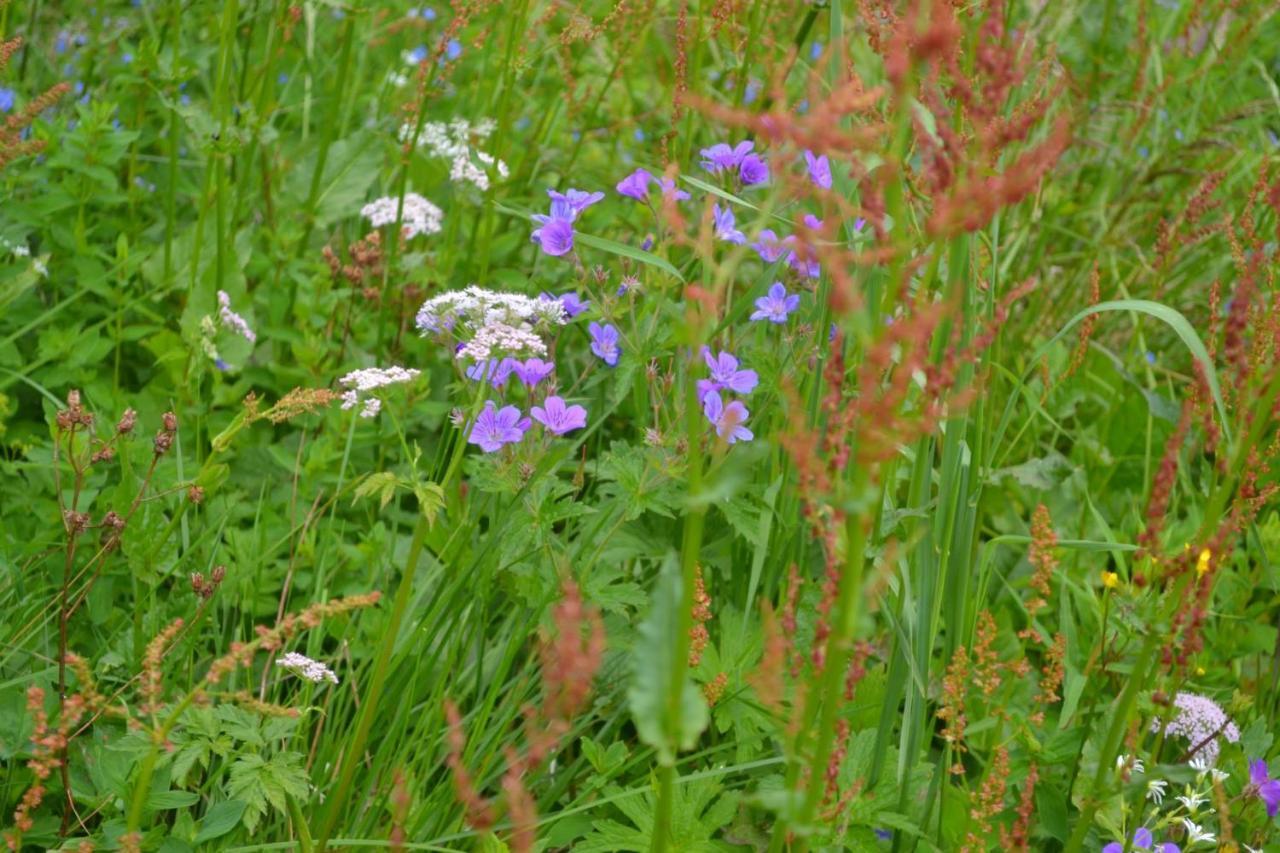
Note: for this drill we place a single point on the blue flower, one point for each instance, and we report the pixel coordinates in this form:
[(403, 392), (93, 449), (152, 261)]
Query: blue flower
[(495, 370), (532, 371), (604, 342), (496, 427), (753, 170), (769, 247), (635, 185), (819, 169), (453, 49), (572, 202), (725, 374), (7, 99), (777, 305), (555, 236), (729, 421), (724, 225), (722, 156)]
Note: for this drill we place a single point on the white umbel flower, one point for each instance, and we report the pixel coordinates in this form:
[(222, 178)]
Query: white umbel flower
[(420, 216), (305, 667), (465, 312), (501, 339), (360, 382)]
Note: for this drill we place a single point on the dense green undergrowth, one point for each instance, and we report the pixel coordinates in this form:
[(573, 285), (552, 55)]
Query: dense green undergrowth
[(900, 480)]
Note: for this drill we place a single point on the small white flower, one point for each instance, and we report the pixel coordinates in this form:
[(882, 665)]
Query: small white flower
[(1136, 766), (305, 667), (1196, 834), (1155, 790), (1193, 800), (21, 251), (1219, 775), (40, 268)]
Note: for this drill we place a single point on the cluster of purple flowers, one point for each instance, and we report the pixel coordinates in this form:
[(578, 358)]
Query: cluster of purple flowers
[(496, 371), (555, 231), (729, 419), (723, 158), (497, 427)]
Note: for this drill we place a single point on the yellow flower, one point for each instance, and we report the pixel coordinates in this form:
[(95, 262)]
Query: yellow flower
[(1110, 580), (1202, 564)]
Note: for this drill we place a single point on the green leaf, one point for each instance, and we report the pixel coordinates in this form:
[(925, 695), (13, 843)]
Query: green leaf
[(382, 483), (651, 674), (161, 800), (220, 819), (430, 500)]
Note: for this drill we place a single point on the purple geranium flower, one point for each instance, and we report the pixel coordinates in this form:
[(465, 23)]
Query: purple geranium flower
[(496, 370), (753, 170), (556, 234), (776, 305), (533, 370), (604, 342), (636, 185), (819, 169), (572, 201), (769, 247), (558, 418), (722, 156), (725, 374), (496, 427), (724, 225), (728, 420), (1268, 788)]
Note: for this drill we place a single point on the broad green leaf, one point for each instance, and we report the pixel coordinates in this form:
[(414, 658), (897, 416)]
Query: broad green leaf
[(220, 819), (651, 674)]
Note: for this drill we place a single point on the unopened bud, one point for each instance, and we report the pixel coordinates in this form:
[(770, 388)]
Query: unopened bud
[(127, 422)]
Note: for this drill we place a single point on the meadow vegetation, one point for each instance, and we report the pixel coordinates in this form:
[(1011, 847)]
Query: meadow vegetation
[(639, 426)]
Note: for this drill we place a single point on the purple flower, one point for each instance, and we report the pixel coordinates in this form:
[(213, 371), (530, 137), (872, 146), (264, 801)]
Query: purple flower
[(573, 306), (725, 374), (724, 225), (1142, 838), (728, 420), (7, 99), (777, 305), (532, 371), (769, 247), (1268, 788), (635, 185), (497, 371), (753, 170), (557, 418), (604, 342), (556, 234), (1169, 847), (721, 156), (496, 427), (572, 201), (669, 189), (1113, 847), (819, 169)]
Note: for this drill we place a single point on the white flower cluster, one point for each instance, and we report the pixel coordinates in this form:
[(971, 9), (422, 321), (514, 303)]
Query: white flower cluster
[(232, 320), (471, 309), (360, 382), (311, 670), (501, 339), (1200, 720), (452, 141), (420, 215)]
